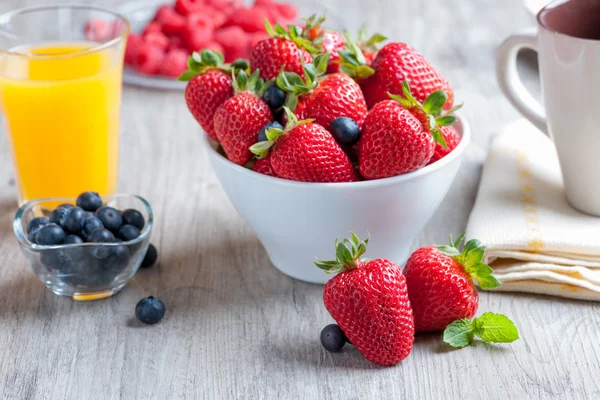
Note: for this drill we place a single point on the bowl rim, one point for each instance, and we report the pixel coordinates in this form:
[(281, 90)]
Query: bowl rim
[(465, 133), (21, 235)]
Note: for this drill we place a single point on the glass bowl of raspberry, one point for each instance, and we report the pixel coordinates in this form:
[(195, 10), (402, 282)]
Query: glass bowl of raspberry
[(84, 257)]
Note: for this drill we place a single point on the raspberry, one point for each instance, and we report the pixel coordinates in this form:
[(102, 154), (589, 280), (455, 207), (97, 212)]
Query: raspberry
[(175, 42), (134, 42), (174, 63), (157, 39), (98, 30), (187, 7), (249, 19), (162, 13), (225, 5), (234, 41), (287, 11), (198, 31), (214, 46), (148, 59), (172, 23), (152, 27), (254, 38)]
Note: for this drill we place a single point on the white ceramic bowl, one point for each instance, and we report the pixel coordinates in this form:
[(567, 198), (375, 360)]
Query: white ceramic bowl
[(297, 221)]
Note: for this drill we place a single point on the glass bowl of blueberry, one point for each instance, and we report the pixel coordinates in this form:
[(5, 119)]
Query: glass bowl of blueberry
[(88, 247)]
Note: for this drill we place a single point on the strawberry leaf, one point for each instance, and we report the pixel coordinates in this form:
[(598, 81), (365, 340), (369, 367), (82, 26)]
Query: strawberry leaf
[(497, 328), (261, 149), (438, 137), (434, 102), (364, 71), (445, 120), (348, 253), (375, 39), (488, 282), (186, 76), (449, 251), (460, 333), (269, 28)]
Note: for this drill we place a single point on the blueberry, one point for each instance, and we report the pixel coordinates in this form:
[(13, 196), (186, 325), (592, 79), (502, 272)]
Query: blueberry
[(150, 257), (89, 201), (72, 220), (73, 239), (128, 232), (89, 226), (111, 218), (333, 338), (133, 217), (117, 259), (101, 235), (150, 310), (66, 205), (56, 260), (89, 214), (345, 131), (34, 226), (57, 214), (274, 97), (50, 235), (262, 135)]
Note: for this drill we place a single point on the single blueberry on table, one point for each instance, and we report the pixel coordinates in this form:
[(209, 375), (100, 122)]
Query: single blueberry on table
[(50, 235), (73, 239), (57, 214), (274, 97), (89, 201), (345, 131), (101, 235), (128, 232), (111, 218), (133, 217), (333, 338), (150, 257), (89, 226), (34, 226), (72, 220), (262, 134), (150, 310)]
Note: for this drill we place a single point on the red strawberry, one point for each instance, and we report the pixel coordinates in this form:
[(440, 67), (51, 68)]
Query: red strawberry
[(329, 40), (324, 98), (240, 118), (399, 135), (369, 301), (306, 152), (396, 63), (263, 166), (452, 139), (209, 85), (282, 50), (440, 283)]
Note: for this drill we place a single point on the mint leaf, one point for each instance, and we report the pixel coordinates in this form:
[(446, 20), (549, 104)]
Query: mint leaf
[(460, 333), (497, 328)]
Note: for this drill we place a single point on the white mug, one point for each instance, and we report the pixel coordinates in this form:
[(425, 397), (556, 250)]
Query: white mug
[(568, 45)]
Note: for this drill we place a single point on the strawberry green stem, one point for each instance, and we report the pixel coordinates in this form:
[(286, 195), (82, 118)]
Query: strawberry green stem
[(348, 255)]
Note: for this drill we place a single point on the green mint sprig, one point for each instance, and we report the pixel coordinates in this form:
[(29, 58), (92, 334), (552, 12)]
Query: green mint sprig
[(490, 327)]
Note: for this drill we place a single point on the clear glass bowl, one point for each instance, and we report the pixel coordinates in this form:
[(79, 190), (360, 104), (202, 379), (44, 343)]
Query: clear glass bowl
[(86, 271)]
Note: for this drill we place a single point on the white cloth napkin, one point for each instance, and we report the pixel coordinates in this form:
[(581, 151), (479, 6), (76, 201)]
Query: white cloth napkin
[(535, 241)]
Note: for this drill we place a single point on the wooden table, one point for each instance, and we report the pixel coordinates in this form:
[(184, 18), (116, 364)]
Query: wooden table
[(235, 326)]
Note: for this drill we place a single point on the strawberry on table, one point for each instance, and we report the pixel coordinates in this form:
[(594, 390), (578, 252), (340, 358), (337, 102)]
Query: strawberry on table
[(440, 283), (398, 62), (305, 151), (399, 134), (282, 50), (240, 118), (209, 85), (369, 301), (323, 98)]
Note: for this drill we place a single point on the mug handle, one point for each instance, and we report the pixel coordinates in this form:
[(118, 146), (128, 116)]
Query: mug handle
[(510, 83)]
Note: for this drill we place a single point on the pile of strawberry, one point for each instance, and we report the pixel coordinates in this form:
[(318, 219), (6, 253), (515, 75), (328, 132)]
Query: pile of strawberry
[(177, 30), (378, 307), (324, 107)]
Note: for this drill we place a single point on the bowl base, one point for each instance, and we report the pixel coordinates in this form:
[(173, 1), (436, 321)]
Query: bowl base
[(88, 296)]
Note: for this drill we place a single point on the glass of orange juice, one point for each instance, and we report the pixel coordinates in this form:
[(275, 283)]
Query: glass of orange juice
[(60, 96)]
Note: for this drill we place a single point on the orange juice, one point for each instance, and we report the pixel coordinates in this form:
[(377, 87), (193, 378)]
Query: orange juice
[(61, 107)]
